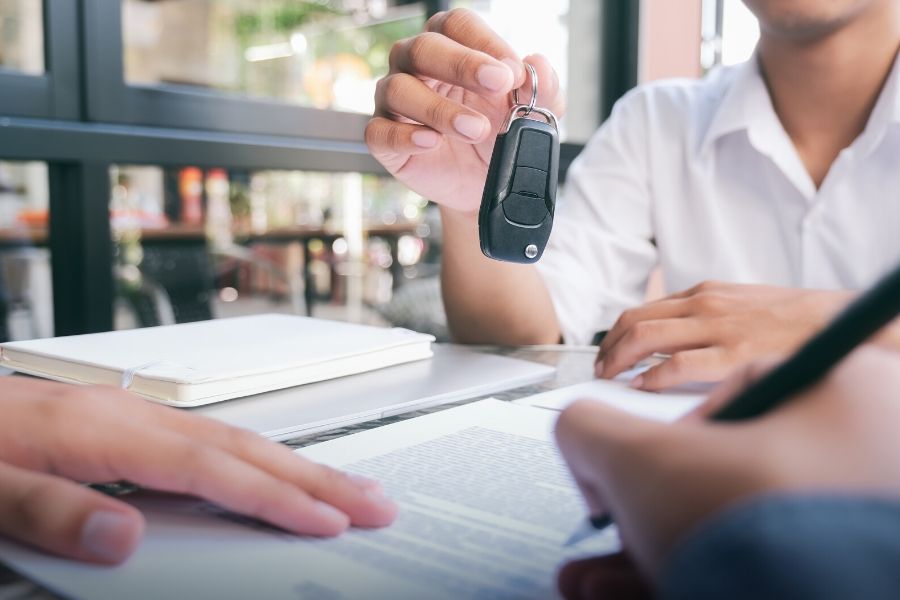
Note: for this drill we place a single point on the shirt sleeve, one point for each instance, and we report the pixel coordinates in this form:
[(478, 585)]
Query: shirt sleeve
[(601, 253), (789, 547)]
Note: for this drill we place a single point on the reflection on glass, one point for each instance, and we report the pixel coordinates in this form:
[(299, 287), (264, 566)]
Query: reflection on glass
[(564, 32), (194, 244), (740, 32), (543, 28), (730, 33), (319, 53), (22, 36), (26, 298)]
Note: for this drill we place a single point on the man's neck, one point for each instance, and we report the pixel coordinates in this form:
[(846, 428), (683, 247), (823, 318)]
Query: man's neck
[(824, 90)]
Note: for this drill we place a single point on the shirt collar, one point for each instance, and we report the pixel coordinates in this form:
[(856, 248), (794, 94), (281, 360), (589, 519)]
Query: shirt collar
[(885, 113), (746, 106), (743, 102)]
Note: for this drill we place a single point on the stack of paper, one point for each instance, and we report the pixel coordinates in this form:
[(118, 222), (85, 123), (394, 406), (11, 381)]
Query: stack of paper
[(668, 406), (486, 506), (199, 363)]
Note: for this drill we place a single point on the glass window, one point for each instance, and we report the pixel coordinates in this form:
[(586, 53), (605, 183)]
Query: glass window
[(26, 293), (730, 32), (566, 32), (22, 36), (740, 32), (318, 53), (194, 244)]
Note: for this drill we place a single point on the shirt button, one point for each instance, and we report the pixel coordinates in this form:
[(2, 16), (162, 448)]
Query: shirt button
[(813, 217)]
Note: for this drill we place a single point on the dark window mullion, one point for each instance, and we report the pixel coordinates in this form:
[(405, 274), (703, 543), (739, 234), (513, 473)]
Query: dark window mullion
[(80, 245), (62, 51), (619, 50), (433, 7)]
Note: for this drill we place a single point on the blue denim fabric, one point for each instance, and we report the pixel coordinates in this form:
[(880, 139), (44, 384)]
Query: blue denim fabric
[(791, 547)]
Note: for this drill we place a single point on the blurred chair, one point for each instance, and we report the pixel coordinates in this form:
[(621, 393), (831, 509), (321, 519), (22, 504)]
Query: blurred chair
[(418, 305), (18, 314), (183, 269), (176, 281), (147, 301), (227, 257), (4, 309)]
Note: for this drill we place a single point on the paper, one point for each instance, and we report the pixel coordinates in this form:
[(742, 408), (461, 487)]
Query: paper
[(486, 506), (661, 406)]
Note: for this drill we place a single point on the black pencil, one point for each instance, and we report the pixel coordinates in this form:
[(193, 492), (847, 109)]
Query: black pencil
[(857, 323)]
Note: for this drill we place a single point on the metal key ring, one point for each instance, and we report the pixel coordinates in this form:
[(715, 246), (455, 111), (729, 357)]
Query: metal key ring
[(534, 91)]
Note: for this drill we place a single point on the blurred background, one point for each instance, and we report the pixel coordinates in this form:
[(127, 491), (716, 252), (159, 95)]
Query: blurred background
[(176, 160)]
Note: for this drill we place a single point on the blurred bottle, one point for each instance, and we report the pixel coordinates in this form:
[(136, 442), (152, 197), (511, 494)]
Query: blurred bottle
[(218, 208), (190, 188)]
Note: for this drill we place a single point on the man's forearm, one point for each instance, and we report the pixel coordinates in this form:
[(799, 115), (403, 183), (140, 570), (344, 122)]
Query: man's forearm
[(487, 301)]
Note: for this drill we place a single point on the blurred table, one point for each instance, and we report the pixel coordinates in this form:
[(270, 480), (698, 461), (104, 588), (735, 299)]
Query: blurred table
[(37, 235), (306, 234), (195, 236), (16, 237), (573, 365)]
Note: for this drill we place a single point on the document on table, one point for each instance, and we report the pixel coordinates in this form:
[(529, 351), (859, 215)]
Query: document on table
[(664, 407), (486, 505)]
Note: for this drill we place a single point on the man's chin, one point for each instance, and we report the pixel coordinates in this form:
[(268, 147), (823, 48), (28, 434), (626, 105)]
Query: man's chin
[(805, 20)]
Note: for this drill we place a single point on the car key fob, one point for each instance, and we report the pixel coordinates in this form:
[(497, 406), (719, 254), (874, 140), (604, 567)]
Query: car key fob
[(519, 197)]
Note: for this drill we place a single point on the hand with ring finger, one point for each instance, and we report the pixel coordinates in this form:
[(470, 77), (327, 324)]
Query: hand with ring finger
[(439, 108)]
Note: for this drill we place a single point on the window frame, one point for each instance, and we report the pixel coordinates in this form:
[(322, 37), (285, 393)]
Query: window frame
[(111, 99), (55, 93), (81, 117)]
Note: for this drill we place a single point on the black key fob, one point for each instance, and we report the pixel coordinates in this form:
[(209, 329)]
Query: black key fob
[(519, 197)]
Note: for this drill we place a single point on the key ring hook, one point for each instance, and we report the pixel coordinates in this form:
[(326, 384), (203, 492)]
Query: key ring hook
[(515, 110), (534, 91)]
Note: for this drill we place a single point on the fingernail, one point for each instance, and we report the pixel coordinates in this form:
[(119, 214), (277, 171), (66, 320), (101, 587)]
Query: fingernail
[(330, 513), (638, 382), (377, 497), (515, 66), (109, 536), (426, 139), (469, 126), (496, 79), (364, 482), (598, 368)]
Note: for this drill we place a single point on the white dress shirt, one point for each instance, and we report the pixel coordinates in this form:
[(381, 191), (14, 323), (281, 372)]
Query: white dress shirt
[(701, 179)]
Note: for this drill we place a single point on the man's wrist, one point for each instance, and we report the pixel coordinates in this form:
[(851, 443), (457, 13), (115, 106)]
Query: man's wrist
[(454, 216), (460, 228)]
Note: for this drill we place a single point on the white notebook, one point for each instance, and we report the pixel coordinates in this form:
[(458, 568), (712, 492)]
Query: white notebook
[(192, 364)]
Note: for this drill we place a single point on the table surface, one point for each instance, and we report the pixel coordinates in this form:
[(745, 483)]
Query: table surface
[(573, 365)]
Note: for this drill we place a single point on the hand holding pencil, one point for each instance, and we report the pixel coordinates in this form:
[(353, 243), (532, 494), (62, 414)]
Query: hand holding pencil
[(660, 481)]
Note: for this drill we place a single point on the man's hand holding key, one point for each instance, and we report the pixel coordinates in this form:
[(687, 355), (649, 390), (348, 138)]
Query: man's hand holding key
[(441, 106), (437, 116)]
